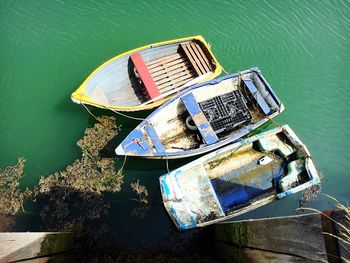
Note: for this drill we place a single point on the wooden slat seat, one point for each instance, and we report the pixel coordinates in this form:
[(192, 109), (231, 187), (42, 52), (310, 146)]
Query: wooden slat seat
[(145, 75), (165, 74), (171, 72), (197, 57)]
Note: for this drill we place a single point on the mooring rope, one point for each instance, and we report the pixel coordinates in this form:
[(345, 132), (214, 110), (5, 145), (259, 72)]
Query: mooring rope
[(224, 70), (89, 111), (127, 116)]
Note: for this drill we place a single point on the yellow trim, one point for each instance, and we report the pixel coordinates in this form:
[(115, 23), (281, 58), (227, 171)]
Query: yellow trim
[(80, 95)]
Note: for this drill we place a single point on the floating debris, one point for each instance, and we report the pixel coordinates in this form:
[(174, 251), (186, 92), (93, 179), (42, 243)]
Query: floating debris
[(311, 193)]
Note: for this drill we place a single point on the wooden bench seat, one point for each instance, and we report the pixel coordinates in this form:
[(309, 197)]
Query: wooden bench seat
[(145, 75), (197, 57), (164, 74)]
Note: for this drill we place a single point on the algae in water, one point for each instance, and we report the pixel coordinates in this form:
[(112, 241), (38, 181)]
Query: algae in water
[(72, 200)]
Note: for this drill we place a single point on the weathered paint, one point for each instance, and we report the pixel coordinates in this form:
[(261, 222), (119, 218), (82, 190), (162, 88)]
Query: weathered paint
[(154, 138), (136, 144), (185, 205), (237, 134), (179, 180), (260, 100), (199, 119)]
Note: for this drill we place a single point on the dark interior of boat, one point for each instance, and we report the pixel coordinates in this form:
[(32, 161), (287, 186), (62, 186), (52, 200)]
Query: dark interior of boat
[(163, 76)]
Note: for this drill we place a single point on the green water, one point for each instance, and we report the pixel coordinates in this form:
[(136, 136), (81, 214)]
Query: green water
[(47, 48)]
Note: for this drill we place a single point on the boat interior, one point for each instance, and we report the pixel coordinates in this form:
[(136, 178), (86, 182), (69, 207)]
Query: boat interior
[(264, 167), (212, 113), (150, 74)]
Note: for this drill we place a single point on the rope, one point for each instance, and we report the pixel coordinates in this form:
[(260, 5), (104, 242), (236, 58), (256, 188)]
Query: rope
[(89, 111), (167, 162), (122, 168), (224, 70), (127, 116), (115, 111)]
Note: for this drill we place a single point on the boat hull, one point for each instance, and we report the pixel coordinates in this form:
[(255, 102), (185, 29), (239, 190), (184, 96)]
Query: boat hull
[(229, 182), (164, 133), (113, 85)]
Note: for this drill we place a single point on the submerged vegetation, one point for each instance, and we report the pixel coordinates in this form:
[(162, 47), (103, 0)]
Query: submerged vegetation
[(311, 193), (141, 191), (72, 200), (143, 197), (11, 197), (69, 200)]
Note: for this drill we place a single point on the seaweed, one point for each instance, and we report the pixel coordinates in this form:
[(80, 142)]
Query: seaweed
[(73, 200), (311, 193), (141, 191), (143, 197), (11, 196)]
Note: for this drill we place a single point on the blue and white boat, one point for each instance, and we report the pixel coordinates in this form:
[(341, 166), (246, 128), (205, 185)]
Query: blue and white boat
[(238, 178), (204, 117)]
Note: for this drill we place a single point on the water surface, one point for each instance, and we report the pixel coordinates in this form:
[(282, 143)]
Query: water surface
[(47, 48)]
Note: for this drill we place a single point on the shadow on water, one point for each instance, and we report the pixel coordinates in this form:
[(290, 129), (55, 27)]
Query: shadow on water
[(96, 202), (92, 218)]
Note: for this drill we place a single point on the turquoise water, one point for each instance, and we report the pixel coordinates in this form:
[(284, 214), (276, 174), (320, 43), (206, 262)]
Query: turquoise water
[(47, 48)]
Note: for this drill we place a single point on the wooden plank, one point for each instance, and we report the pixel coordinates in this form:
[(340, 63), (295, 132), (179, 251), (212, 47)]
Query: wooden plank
[(199, 119), (175, 86), (198, 59), (196, 48), (166, 68), (204, 56), (161, 63), (173, 72), (182, 82), (157, 143), (174, 63), (145, 75), (163, 59), (175, 82), (189, 56), (331, 242), (194, 58), (176, 78), (300, 236), (23, 246), (257, 96)]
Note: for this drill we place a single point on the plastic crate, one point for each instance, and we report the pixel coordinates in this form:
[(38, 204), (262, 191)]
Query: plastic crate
[(226, 112)]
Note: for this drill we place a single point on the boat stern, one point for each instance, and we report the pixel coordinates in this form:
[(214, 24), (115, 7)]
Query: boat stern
[(174, 203), (189, 198), (309, 165)]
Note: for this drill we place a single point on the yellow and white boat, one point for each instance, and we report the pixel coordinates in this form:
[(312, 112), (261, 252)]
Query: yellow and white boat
[(145, 77)]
